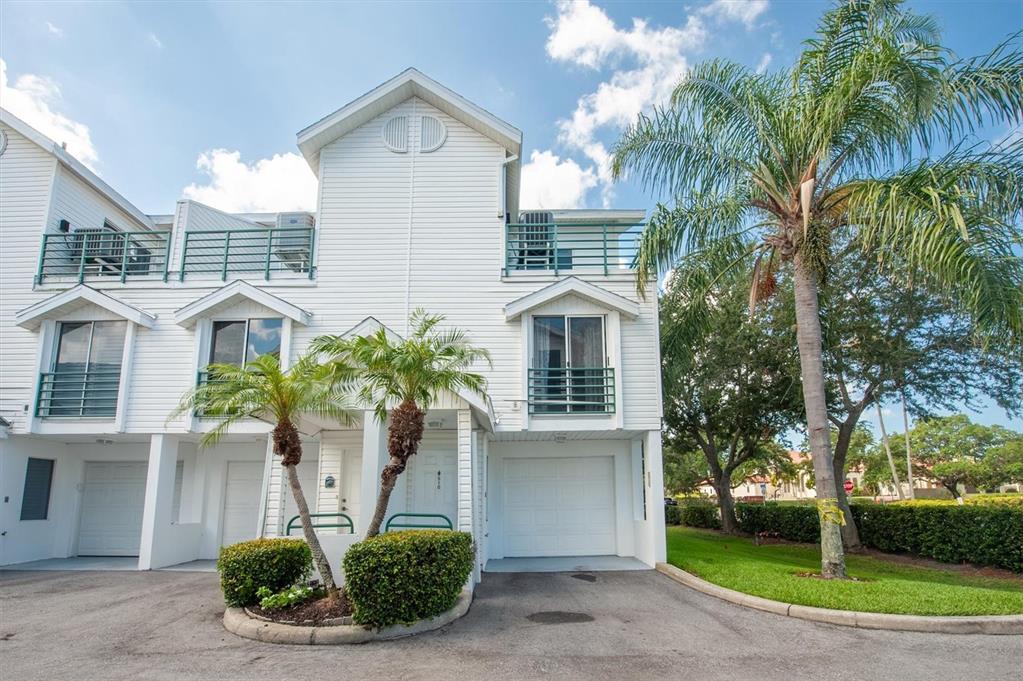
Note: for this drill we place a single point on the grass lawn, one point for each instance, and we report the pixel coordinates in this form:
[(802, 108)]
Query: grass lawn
[(771, 571)]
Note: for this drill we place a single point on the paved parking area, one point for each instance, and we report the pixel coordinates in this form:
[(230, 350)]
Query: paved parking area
[(603, 625)]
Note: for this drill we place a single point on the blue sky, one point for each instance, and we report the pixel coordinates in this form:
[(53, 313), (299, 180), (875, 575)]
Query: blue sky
[(166, 100)]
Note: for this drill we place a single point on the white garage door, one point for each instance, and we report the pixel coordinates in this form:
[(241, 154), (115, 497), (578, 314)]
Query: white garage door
[(241, 501), (112, 501), (559, 507)]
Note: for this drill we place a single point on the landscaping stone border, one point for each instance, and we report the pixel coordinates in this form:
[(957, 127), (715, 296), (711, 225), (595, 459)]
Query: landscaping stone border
[(986, 624), (240, 623)]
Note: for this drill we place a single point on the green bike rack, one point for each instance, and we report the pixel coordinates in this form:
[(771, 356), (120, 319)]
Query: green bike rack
[(346, 521), (390, 522)]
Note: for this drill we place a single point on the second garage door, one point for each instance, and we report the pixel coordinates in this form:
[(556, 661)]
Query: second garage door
[(559, 506), (241, 501), (112, 500)]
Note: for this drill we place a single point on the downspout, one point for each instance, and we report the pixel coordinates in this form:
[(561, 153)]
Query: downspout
[(411, 208)]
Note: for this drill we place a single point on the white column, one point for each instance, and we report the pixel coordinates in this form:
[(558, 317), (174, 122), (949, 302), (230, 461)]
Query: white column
[(156, 511), (655, 496), (374, 456), (464, 523)]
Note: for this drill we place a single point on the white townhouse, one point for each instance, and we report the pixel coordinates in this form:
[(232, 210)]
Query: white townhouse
[(109, 315)]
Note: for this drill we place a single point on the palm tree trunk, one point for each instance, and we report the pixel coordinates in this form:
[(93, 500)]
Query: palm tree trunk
[(909, 451), (322, 564), (808, 337), (403, 437), (888, 450)]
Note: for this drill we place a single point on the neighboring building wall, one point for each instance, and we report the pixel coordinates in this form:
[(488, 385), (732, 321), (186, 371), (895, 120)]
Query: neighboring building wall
[(27, 173)]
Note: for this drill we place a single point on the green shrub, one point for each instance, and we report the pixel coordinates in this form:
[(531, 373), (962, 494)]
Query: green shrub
[(795, 522), (700, 515), (403, 577), (272, 563), (976, 500), (981, 534), (672, 515), (293, 595)]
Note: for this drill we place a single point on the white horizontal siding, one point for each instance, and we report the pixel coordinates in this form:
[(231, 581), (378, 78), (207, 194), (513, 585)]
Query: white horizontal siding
[(361, 271)]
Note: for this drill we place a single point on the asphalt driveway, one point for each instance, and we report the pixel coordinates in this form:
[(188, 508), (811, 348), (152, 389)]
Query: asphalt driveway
[(608, 625)]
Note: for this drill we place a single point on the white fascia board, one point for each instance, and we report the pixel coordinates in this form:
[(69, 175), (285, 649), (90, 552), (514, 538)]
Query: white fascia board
[(408, 83), (631, 217), (72, 299), (76, 166), (572, 286), (369, 326), (234, 293)]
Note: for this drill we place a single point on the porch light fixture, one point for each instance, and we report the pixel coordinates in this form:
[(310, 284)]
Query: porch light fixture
[(329, 482)]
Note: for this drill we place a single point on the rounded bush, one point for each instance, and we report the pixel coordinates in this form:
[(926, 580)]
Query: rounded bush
[(700, 515), (272, 563), (403, 577)]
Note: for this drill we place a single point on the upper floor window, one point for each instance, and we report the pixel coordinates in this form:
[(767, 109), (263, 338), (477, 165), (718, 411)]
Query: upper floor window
[(569, 371), (238, 342), (85, 375)]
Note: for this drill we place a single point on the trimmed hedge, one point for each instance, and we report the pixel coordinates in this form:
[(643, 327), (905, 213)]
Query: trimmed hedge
[(795, 522), (672, 515), (701, 515), (403, 577), (980, 534), (274, 563)]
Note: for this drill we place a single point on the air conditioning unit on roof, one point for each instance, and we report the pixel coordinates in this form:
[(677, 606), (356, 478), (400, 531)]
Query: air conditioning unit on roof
[(293, 245)]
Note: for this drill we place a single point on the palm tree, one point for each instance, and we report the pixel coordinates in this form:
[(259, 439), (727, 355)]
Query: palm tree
[(409, 373), (261, 389), (764, 168)]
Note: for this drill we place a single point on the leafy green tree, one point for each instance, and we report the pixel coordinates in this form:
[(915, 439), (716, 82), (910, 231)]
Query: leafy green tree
[(769, 166), (728, 388), (884, 337), (404, 376), (685, 471), (262, 389)]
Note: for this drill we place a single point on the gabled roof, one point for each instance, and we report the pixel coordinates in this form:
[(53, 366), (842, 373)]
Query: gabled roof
[(72, 299), (483, 407), (232, 294), (75, 166), (572, 286), (408, 83)]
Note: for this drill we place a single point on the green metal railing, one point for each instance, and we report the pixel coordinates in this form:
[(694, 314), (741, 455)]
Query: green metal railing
[(559, 247), (98, 254), (584, 390), (420, 526), (78, 393), (266, 251), (346, 521)]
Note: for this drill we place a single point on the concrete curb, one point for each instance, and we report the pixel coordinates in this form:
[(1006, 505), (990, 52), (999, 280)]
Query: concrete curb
[(987, 624), (238, 622)]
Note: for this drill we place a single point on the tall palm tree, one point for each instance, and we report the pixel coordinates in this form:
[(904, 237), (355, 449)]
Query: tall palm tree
[(865, 132), (409, 373), (261, 389)]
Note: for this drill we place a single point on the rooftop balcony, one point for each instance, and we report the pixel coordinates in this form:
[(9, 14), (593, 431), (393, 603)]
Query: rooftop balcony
[(100, 254), (600, 248)]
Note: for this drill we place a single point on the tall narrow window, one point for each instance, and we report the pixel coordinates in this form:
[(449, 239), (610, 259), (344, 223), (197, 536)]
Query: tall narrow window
[(568, 372), (86, 372), (35, 499)]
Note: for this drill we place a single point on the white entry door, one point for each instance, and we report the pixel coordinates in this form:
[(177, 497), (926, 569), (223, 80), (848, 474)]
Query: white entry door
[(241, 501), (112, 500), (559, 506), (436, 485), (351, 487)]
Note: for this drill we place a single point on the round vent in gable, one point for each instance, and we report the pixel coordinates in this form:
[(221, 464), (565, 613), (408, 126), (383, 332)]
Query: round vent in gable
[(395, 134), (433, 133)]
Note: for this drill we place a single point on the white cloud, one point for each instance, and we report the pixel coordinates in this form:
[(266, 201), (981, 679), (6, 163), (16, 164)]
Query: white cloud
[(281, 183), (54, 30), (745, 11), (765, 62), (157, 43), (32, 98), (550, 182)]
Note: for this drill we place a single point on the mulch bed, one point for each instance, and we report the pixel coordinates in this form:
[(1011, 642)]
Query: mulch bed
[(311, 612)]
